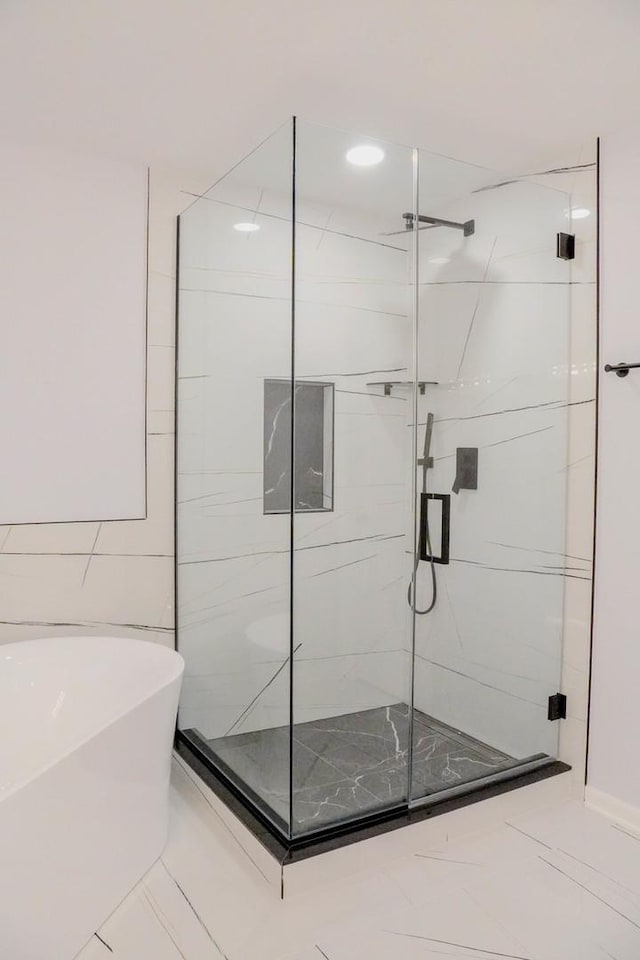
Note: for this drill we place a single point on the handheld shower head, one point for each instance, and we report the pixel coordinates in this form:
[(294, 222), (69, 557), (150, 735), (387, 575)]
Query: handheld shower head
[(426, 461)]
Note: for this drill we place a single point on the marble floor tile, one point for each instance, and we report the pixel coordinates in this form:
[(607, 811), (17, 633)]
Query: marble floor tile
[(449, 924), (559, 884)]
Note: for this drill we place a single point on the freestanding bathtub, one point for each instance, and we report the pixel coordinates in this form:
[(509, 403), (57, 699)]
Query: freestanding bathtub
[(86, 727)]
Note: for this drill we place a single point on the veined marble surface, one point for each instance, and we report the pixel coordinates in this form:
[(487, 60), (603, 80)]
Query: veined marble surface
[(355, 763), (559, 884)]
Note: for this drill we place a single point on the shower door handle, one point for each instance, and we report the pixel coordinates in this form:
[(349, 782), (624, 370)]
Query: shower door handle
[(425, 538)]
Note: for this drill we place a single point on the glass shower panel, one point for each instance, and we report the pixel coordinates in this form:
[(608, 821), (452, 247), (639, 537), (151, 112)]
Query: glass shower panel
[(352, 561), (233, 529), (493, 348)]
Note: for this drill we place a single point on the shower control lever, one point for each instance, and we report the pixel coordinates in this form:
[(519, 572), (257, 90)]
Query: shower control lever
[(620, 369)]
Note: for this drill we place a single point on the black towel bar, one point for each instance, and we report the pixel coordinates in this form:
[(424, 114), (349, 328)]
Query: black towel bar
[(620, 369)]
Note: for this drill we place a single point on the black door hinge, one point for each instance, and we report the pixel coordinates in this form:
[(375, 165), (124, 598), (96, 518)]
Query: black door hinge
[(557, 707), (566, 246)]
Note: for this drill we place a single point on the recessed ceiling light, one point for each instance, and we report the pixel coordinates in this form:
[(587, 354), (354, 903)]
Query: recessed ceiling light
[(365, 155), (246, 227), (579, 213), (439, 259)]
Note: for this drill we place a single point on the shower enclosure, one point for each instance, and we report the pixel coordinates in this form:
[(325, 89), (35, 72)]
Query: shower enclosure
[(372, 394)]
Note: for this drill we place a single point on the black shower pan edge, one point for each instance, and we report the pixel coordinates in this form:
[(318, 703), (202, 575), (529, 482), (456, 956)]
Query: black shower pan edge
[(286, 850)]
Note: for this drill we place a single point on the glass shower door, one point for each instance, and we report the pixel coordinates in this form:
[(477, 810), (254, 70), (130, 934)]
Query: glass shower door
[(493, 348), (353, 549)]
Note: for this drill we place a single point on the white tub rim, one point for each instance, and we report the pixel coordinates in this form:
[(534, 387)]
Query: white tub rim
[(175, 669)]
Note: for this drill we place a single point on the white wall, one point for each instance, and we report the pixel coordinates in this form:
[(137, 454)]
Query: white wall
[(614, 771), (112, 577), (73, 330)]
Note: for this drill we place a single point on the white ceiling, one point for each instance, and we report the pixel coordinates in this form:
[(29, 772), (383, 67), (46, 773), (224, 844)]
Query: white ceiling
[(195, 84)]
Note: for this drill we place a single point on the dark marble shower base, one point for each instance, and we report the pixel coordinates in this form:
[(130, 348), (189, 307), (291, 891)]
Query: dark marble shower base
[(350, 766), (287, 850)]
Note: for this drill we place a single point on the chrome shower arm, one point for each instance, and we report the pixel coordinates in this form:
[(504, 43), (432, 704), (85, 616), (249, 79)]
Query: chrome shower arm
[(468, 227)]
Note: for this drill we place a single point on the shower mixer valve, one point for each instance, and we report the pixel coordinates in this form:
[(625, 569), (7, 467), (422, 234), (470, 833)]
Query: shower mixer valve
[(466, 469)]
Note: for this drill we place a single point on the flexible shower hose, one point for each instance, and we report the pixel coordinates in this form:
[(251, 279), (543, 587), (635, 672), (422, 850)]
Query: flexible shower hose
[(434, 580)]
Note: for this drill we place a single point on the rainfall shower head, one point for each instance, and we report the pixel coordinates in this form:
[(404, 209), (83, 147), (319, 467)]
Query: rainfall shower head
[(430, 223)]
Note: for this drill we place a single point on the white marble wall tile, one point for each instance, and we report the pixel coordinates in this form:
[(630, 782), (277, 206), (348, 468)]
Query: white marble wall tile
[(39, 588), (230, 703), (51, 538), (136, 587), (162, 305), (351, 319), (160, 371), (469, 702), (498, 634), (113, 577), (153, 536)]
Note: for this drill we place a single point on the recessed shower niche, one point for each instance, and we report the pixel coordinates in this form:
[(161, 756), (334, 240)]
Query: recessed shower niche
[(372, 434)]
